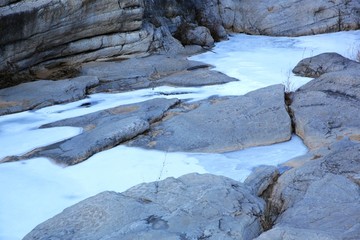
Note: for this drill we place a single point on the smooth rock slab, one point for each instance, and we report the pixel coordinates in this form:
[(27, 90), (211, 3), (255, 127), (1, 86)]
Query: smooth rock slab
[(320, 199), (327, 108), (191, 207), (222, 124), (42, 93), (102, 130), (324, 63)]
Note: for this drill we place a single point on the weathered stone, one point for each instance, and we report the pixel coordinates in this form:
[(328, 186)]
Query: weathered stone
[(39, 94), (324, 63), (191, 207), (102, 130), (326, 109), (319, 199), (191, 34), (223, 124), (261, 178), (293, 18)]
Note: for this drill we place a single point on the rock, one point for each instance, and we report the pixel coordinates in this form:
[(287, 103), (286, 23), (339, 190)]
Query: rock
[(191, 207), (190, 34), (222, 124), (39, 94), (102, 130), (261, 179), (324, 63), (293, 18), (51, 34), (325, 109), (150, 72), (319, 199)]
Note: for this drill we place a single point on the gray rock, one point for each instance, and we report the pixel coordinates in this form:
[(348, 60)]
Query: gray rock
[(324, 63), (102, 130), (198, 35), (39, 94), (55, 33), (223, 124), (319, 199), (292, 18), (326, 109), (261, 179), (191, 207)]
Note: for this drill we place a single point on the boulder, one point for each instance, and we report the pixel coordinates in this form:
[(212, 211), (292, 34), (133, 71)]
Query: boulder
[(222, 124), (101, 130), (42, 93), (191, 207), (324, 63), (325, 110), (320, 199), (292, 18)]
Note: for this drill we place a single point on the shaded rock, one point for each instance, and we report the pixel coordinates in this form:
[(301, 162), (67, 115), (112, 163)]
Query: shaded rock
[(222, 124), (261, 178), (102, 130), (324, 63), (293, 18), (198, 35), (191, 207), (326, 109), (39, 94), (319, 199)]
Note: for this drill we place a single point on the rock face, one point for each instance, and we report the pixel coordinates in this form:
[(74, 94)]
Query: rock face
[(102, 130), (324, 63), (39, 94), (191, 207), (294, 18), (327, 108), (321, 199), (257, 118)]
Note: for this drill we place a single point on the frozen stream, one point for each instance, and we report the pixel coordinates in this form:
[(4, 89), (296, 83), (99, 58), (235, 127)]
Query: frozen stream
[(35, 190)]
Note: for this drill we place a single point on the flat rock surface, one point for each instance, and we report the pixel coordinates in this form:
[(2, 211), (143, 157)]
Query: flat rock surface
[(327, 108), (321, 199), (324, 63), (152, 71), (42, 93), (222, 124), (102, 130), (191, 207)]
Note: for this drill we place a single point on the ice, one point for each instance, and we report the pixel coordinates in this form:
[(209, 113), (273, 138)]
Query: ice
[(35, 190)]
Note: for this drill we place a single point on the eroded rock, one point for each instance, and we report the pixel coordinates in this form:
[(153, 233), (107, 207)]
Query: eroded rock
[(327, 108), (319, 199), (223, 124), (42, 93), (191, 207)]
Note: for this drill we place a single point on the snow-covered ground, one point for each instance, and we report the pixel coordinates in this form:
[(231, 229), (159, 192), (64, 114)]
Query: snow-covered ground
[(35, 190)]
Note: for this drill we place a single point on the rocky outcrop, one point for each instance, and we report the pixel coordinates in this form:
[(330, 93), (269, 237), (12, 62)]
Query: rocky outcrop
[(326, 109), (324, 63), (319, 200), (42, 93), (294, 18), (101, 130), (257, 118), (191, 207)]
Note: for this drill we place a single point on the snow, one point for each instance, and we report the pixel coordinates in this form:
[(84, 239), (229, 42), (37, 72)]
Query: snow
[(35, 190)]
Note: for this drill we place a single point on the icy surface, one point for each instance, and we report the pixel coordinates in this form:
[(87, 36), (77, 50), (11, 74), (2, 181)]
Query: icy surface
[(35, 190)]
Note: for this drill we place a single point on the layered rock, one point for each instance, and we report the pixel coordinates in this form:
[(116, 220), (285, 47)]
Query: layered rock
[(294, 18), (222, 124), (191, 207)]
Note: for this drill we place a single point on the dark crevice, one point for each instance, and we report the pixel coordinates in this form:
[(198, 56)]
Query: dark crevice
[(288, 102)]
